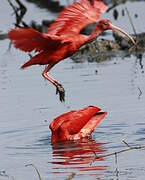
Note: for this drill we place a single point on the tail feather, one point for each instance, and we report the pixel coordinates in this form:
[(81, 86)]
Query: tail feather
[(28, 63), (41, 59)]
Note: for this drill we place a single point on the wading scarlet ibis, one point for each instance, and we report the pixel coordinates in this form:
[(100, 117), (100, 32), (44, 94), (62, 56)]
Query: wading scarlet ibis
[(76, 124), (64, 36)]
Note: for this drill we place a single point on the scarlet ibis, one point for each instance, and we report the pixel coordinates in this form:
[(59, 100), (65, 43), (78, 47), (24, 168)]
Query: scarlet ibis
[(76, 124), (64, 36)]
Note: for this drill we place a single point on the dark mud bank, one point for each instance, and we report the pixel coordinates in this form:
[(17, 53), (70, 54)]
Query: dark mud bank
[(103, 49)]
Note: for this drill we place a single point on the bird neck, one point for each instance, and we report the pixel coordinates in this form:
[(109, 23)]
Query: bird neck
[(96, 32)]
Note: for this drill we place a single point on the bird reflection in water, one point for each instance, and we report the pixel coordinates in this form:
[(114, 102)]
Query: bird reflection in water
[(81, 155)]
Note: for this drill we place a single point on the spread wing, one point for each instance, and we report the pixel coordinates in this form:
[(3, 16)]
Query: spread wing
[(28, 39), (75, 17), (99, 4)]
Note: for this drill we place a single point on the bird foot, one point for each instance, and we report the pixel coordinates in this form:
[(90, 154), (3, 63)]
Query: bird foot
[(60, 90)]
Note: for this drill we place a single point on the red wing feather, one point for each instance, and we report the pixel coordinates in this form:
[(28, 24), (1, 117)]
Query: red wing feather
[(99, 4), (80, 118), (28, 39), (92, 124), (75, 17), (74, 121), (40, 58), (57, 122)]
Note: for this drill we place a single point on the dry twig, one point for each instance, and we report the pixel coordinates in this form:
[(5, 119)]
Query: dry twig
[(71, 176), (19, 11), (131, 22), (35, 169), (137, 147)]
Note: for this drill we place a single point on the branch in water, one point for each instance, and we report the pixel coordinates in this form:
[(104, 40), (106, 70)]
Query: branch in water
[(35, 169), (19, 11), (121, 151)]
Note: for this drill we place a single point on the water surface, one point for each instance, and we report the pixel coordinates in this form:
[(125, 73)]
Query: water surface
[(28, 104)]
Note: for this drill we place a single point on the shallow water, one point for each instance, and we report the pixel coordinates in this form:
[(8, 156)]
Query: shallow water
[(28, 104)]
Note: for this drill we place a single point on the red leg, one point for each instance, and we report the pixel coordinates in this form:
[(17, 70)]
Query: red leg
[(59, 87)]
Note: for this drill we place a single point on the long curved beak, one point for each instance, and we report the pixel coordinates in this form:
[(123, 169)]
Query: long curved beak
[(119, 30)]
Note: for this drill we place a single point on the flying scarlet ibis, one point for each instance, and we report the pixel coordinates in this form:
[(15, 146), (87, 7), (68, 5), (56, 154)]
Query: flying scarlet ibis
[(76, 124), (64, 36)]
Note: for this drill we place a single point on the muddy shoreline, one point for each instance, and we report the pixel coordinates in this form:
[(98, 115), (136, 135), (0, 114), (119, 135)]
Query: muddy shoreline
[(103, 49)]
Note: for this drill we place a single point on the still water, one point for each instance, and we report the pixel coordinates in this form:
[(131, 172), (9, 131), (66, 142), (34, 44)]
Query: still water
[(28, 104)]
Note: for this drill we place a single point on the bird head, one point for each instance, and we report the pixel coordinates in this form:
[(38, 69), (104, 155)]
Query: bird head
[(105, 24)]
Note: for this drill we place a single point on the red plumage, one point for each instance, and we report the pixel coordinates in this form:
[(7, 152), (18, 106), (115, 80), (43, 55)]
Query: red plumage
[(28, 39), (63, 37), (70, 21), (76, 124), (75, 17), (99, 4)]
